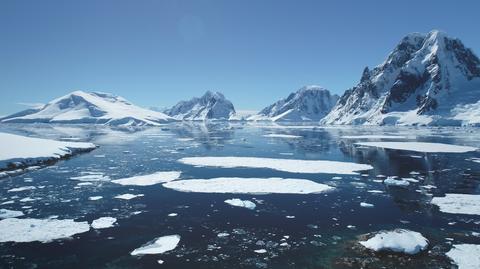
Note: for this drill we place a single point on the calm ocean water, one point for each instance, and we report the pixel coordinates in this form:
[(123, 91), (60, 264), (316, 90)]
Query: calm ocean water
[(321, 230)]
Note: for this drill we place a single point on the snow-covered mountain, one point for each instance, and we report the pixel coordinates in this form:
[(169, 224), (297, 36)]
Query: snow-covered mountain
[(211, 106), (428, 79), (93, 107), (310, 103)]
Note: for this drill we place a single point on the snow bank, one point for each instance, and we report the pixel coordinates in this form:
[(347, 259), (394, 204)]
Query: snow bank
[(456, 203), (30, 151), (158, 246), (286, 165), (5, 214), (103, 222), (43, 230), (151, 179), (399, 240), (241, 203), (465, 256), (420, 147), (248, 185)]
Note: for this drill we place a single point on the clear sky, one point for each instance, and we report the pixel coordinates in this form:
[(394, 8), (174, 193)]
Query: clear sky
[(155, 53)]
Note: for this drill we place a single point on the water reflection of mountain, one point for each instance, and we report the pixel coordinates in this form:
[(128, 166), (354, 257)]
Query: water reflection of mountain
[(208, 134), (438, 173)]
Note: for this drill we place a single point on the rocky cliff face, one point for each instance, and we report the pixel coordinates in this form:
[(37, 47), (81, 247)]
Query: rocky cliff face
[(425, 80), (211, 106), (310, 103)]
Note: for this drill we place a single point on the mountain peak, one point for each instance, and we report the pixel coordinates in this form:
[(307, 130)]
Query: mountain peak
[(212, 105), (309, 103), (90, 107), (425, 75)]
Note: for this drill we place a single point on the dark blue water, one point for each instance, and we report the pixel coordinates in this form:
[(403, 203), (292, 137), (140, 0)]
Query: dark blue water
[(318, 235)]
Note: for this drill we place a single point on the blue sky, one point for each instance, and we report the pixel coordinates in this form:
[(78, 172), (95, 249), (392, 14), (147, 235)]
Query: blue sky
[(155, 53)]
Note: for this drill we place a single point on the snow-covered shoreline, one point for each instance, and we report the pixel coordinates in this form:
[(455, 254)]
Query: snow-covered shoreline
[(17, 152)]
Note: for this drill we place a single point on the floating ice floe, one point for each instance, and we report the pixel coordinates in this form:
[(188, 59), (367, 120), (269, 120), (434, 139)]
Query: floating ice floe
[(172, 215), (32, 151), (399, 240), (91, 176), (456, 203), (282, 136), (95, 198), (43, 230), (363, 204), (103, 223), (158, 245), (5, 213), (260, 251), (285, 165), (241, 203), (465, 256), (128, 196), (396, 182), (374, 137), (420, 147), (25, 188), (248, 185), (148, 180)]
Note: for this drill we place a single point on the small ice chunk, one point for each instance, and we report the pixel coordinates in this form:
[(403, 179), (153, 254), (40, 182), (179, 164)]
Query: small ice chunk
[(158, 245), (172, 215), (223, 234), (103, 222), (282, 136), (363, 204), (148, 180), (396, 182), (25, 188), (399, 240), (260, 251), (5, 213), (128, 196), (95, 198), (241, 203)]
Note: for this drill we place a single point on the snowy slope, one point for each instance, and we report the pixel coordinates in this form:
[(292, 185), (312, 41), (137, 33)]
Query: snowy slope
[(212, 105), (428, 79), (94, 107), (16, 150), (310, 103)]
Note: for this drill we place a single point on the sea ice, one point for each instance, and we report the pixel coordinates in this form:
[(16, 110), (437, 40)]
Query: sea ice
[(128, 196), (363, 204), (396, 182), (399, 240), (103, 222), (286, 165), (420, 147), (241, 203), (158, 246), (43, 230), (31, 151), (465, 256), (5, 214), (282, 136), (25, 188), (248, 185), (374, 137), (151, 179), (456, 203)]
